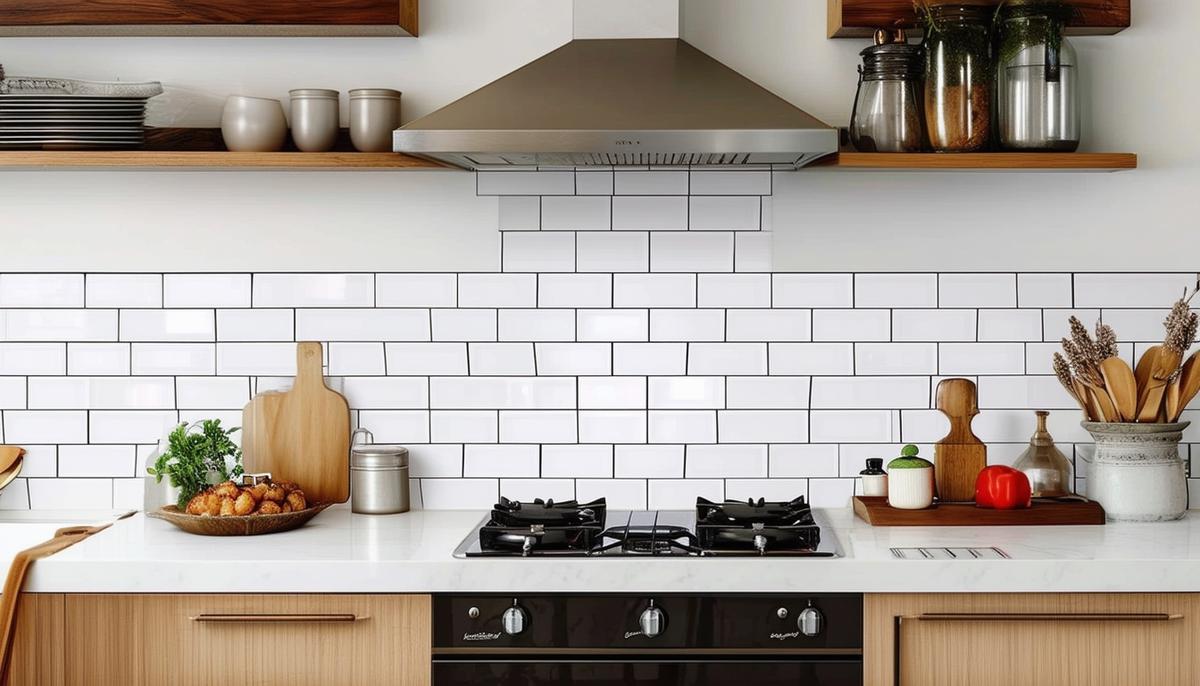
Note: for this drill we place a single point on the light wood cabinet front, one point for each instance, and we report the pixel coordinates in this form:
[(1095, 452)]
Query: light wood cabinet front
[(1032, 639), (37, 651), (248, 639)]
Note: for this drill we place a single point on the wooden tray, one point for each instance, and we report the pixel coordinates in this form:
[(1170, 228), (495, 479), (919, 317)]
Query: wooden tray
[(877, 512), (249, 525)]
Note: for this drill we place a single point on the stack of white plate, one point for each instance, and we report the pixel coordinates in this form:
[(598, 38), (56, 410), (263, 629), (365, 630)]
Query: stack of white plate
[(68, 114)]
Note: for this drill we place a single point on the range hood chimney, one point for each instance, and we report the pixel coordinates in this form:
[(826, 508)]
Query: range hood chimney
[(620, 101)]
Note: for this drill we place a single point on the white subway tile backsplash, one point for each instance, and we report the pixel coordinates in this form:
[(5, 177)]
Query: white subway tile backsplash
[(612, 393), (691, 252), (725, 213), (687, 392), (497, 290), (356, 358), (771, 489), (511, 182), (426, 359), (654, 290), (256, 325), (96, 461), (70, 494), (752, 251), (1010, 392), (1010, 325), (399, 392), (854, 426), (41, 290), (830, 492), (651, 183), (168, 325), (883, 392), (578, 461), (15, 496), (648, 461), (612, 426), (132, 426), (414, 426), (681, 494), (12, 393), (895, 358), (687, 325), (435, 460), (32, 358), (650, 213), (647, 359), (535, 251), (464, 325), (577, 213), (58, 325), (598, 182), (98, 359), (314, 290), (617, 251), (977, 290), (959, 359), (721, 461), (416, 290), (767, 392), (934, 325), (528, 489), (249, 359), (1056, 325), (731, 183), (803, 461), (573, 359), (683, 426), (727, 358), (895, 290), (734, 290), (501, 461), (459, 494), (538, 426), (575, 290), (626, 494), (851, 325), (613, 325), (811, 359), (506, 393), (1137, 325), (1130, 290), (124, 290), (330, 324), (813, 290), (502, 359), (536, 325), (1044, 290), (520, 213), (41, 461), (181, 359), (762, 426), (199, 393), (206, 290), (108, 392)]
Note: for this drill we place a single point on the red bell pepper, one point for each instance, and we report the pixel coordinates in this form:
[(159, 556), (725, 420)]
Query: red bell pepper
[(1003, 488)]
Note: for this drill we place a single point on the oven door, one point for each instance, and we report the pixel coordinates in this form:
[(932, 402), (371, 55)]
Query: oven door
[(648, 670)]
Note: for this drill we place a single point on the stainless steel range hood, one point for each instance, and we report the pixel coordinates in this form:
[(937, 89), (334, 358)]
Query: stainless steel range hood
[(620, 102)]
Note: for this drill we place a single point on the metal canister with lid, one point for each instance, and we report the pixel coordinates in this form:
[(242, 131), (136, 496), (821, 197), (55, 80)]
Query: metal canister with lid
[(378, 476), (887, 114)]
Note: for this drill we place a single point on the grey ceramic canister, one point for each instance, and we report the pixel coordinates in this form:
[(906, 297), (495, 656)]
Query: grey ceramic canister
[(1137, 473), (315, 119), (253, 124), (374, 115)]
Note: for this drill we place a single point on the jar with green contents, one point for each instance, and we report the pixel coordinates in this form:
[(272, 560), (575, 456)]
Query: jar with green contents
[(958, 76)]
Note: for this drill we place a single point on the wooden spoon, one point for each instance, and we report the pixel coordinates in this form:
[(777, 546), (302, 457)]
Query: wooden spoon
[(9, 454), (7, 475), (1150, 402), (1145, 367), (1188, 385), (1121, 386), (1103, 403), (1081, 395)]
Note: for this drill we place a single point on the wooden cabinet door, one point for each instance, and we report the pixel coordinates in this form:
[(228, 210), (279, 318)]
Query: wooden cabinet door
[(1032, 639), (248, 639), (37, 650)]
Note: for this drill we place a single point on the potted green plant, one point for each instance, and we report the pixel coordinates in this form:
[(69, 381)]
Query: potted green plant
[(197, 456)]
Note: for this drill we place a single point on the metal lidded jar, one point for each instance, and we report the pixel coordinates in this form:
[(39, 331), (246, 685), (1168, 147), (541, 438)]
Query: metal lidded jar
[(958, 76), (378, 476), (1037, 78), (888, 114)]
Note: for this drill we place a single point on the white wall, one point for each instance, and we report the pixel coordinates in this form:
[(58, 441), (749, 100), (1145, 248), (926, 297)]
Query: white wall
[(1139, 96)]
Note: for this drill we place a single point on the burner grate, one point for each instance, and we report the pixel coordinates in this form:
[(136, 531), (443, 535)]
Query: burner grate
[(760, 526)]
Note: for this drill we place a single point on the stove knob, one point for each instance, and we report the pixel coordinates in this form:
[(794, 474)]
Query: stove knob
[(810, 622), (514, 620), (652, 621)]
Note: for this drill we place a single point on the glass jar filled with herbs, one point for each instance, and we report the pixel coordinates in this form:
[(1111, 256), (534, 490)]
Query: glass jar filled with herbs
[(1037, 103), (958, 76)]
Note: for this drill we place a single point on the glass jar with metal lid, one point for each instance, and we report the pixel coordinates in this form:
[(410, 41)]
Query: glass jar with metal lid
[(958, 76), (887, 115), (1037, 78), (378, 476)]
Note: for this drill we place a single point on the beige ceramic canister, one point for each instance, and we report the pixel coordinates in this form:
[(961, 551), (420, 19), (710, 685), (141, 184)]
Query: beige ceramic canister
[(314, 119), (374, 115)]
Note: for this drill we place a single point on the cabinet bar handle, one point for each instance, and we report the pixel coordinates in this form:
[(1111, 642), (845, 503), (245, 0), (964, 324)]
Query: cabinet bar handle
[(1044, 617), (261, 618)]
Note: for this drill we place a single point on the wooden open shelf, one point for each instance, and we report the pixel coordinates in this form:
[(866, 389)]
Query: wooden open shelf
[(201, 149), (860, 18), (981, 161)]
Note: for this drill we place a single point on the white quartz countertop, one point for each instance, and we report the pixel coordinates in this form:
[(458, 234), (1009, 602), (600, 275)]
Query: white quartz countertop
[(339, 552)]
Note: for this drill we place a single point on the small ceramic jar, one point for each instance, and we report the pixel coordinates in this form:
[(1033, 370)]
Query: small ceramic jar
[(874, 479), (314, 119), (910, 481), (253, 124), (374, 115)]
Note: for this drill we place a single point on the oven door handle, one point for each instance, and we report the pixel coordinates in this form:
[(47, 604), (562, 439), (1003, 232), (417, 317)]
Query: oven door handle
[(277, 618)]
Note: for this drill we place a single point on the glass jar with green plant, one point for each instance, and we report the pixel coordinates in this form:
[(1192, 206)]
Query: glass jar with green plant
[(194, 455), (958, 74)]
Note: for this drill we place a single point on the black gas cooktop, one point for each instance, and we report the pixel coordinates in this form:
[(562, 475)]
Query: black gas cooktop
[(545, 528)]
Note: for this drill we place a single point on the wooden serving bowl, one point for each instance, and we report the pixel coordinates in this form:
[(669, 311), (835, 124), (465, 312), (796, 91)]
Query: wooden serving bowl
[(247, 525)]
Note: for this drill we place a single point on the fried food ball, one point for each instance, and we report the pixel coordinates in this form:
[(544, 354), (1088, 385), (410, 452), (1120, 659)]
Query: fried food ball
[(297, 500), (197, 506), (259, 490), (287, 486), (244, 504), (226, 506), (275, 493), (212, 505), (226, 490), (285, 508), (269, 507)]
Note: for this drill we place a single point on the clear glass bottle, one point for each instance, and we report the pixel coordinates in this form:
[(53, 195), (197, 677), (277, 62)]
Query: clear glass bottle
[(958, 77), (1048, 469), (887, 115), (1037, 77)]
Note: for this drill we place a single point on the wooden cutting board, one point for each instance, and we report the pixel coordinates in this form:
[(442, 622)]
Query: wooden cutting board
[(960, 456), (301, 435)]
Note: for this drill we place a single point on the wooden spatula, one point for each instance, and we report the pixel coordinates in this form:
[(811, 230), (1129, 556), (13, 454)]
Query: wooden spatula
[(1186, 387), (1150, 401), (1122, 387), (960, 456)]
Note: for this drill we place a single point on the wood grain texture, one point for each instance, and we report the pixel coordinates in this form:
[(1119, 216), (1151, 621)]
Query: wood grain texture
[(145, 640), (1124, 644), (209, 12), (301, 435), (960, 456), (980, 161), (37, 656), (877, 512), (859, 18)]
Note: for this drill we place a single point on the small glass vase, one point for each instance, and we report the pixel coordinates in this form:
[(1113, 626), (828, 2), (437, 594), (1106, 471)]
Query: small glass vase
[(1136, 473)]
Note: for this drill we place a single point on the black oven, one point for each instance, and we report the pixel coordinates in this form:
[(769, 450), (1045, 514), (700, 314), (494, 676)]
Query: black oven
[(698, 640)]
